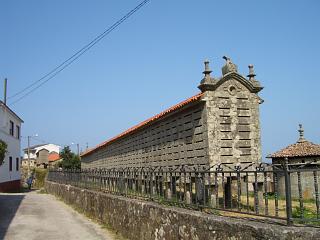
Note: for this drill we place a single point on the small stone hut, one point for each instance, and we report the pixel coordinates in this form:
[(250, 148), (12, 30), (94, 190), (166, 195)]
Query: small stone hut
[(302, 154)]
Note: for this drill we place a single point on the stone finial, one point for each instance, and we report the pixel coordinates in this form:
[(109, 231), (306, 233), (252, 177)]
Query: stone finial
[(207, 83), (207, 70), (301, 133), (229, 66), (251, 74)]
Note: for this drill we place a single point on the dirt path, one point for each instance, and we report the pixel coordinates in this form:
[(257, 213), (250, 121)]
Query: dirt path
[(36, 216)]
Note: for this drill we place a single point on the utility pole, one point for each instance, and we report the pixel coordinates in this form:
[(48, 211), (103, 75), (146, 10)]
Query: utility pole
[(29, 170), (78, 149), (28, 155), (5, 92)]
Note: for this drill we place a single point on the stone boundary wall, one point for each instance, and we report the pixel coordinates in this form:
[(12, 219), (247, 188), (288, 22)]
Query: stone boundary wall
[(141, 220)]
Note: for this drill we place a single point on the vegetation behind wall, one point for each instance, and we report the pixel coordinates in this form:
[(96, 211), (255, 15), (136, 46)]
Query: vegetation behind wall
[(3, 150), (39, 174), (39, 177)]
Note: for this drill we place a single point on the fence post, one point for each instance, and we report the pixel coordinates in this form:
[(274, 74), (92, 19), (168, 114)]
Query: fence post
[(288, 192)]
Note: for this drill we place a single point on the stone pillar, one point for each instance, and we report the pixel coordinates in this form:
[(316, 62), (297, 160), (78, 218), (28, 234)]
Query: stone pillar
[(188, 198), (244, 186), (160, 188), (213, 201), (173, 184), (153, 190), (133, 186), (168, 194), (261, 196), (142, 189), (199, 189)]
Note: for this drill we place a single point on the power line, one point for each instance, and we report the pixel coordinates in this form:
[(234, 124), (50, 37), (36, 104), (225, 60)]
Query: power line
[(75, 56), (43, 141)]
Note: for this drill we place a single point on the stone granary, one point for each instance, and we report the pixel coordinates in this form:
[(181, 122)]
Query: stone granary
[(302, 154), (218, 125)]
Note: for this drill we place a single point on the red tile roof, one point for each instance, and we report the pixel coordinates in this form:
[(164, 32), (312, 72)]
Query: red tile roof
[(299, 149), (144, 123), (53, 157)]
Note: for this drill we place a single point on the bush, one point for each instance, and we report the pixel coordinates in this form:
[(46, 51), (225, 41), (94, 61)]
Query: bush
[(69, 159), (39, 177), (3, 150)]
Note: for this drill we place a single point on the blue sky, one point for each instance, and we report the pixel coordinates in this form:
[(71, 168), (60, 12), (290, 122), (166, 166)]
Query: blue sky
[(155, 60)]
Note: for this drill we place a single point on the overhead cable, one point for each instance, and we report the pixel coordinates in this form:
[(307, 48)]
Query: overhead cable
[(38, 83)]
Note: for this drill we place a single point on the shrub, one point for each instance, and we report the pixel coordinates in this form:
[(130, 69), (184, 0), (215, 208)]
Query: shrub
[(3, 150), (40, 176)]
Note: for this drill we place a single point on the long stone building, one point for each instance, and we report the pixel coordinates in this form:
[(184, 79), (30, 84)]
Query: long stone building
[(218, 125)]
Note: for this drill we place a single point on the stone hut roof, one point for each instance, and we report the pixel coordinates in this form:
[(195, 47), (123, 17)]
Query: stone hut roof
[(302, 148)]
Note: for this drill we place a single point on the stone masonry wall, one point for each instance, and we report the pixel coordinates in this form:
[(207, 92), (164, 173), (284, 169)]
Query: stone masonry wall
[(177, 139), (306, 178), (233, 123), (140, 220)]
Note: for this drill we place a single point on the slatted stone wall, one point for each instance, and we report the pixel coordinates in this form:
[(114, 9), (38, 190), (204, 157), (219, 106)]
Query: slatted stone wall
[(178, 139), (221, 127), (233, 124)]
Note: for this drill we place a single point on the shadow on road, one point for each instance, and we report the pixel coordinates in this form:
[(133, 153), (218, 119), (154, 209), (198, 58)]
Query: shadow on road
[(9, 204)]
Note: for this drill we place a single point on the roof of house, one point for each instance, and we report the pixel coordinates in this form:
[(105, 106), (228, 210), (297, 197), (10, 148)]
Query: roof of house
[(39, 145), (35, 146), (302, 148), (146, 122), (53, 157), (12, 112)]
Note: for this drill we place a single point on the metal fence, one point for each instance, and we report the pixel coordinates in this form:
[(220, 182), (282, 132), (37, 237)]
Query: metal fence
[(263, 191)]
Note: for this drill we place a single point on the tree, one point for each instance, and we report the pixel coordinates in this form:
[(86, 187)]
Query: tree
[(3, 150), (69, 159)]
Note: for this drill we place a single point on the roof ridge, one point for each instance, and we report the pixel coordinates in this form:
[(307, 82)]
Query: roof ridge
[(298, 149), (147, 121)]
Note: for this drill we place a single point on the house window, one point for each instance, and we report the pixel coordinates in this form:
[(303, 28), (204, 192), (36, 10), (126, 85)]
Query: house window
[(10, 164), (17, 164), (11, 128), (18, 131)]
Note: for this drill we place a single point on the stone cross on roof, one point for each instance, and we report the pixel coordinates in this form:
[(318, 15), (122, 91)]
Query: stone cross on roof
[(301, 133)]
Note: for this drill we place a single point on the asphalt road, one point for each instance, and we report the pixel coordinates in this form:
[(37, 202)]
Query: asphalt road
[(34, 216)]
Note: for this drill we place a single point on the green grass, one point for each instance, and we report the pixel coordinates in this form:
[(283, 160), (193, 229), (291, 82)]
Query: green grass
[(308, 214)]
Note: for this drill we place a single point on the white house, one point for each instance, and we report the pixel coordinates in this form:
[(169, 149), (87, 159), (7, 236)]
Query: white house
[(39, 155), (10, 130)]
